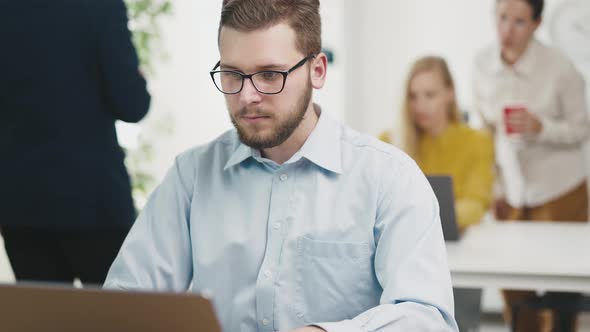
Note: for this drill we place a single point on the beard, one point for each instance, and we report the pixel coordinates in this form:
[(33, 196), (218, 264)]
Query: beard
[(282, 130)]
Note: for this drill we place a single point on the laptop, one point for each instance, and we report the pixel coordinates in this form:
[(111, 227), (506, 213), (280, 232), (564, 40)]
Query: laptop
[(442, 186), (48, 309)]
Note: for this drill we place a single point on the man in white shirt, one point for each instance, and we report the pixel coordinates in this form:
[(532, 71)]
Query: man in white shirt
[(533, 99)]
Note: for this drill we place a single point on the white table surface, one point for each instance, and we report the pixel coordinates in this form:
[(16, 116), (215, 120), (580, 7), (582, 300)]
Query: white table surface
[(523, 255)]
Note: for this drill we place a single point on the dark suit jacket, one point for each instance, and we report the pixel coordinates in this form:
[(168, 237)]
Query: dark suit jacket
[(68, 70)]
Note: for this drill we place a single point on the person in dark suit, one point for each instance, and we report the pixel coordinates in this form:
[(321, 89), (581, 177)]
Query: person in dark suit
[(68, 70)]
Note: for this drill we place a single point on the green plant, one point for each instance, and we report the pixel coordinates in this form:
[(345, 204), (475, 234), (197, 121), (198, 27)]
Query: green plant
[(144, 22)]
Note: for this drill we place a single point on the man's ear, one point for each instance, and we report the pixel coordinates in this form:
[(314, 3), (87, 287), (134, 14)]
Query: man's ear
[(318, 70)]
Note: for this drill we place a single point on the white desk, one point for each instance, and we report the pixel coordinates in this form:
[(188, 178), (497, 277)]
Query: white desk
[(523, 255)]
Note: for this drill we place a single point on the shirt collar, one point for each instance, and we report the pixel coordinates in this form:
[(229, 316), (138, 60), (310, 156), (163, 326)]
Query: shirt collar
[(240, 154), (525, 65), (322, 147)]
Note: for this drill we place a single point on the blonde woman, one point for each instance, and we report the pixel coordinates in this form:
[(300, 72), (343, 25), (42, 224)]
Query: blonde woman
[(433, 133)]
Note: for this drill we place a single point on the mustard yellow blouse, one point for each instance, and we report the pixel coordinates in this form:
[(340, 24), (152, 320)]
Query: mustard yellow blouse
[(467, 155)]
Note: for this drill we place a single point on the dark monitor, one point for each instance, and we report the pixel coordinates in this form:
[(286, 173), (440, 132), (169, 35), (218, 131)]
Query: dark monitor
[(442, 186)]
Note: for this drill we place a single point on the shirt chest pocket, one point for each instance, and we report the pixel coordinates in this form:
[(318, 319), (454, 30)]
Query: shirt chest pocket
[(335, 280)]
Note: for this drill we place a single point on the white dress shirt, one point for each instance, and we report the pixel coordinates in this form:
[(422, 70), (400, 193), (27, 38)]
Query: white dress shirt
[(534, 170)]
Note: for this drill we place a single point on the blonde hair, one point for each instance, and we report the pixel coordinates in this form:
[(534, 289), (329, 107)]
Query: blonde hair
[(410, 133)]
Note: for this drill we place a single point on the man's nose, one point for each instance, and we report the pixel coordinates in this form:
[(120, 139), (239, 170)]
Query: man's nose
[(249, 94)]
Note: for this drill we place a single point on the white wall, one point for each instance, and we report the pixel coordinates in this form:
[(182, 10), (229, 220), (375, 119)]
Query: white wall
[(182, 87)]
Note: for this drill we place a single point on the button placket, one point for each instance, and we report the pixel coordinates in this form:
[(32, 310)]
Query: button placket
[(266, 283)]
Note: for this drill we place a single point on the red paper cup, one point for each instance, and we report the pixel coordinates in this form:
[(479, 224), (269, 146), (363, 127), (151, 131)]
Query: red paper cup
[(508, 112)]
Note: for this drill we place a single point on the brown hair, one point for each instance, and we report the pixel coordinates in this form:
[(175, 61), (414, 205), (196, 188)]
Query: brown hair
[(410, 134), (303, 16), (537, 7)]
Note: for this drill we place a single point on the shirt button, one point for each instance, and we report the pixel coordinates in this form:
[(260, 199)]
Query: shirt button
[(289, 219), (207, 293), (265, 322), (283, 177), (277, 225), (300, 315), (268, 274)]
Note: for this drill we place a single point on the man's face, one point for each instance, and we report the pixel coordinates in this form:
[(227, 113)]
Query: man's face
[(265, 121), (515, 25)]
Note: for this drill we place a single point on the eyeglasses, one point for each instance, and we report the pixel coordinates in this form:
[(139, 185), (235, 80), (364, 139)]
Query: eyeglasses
[(269, 82)]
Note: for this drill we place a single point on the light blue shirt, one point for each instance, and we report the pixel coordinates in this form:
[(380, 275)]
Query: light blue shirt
[(345, 235)]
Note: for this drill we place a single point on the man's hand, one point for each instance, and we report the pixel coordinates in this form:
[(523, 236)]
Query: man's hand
[(309, 329), (524, 122)]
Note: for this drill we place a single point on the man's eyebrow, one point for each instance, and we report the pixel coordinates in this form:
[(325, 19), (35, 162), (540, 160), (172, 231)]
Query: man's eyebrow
[(280, 67)]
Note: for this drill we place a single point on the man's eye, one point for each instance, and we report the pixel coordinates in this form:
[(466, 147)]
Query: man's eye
[(233, 76), (269, 75)]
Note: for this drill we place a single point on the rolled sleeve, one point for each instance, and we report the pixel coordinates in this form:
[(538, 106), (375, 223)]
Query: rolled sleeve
[(573, 126)]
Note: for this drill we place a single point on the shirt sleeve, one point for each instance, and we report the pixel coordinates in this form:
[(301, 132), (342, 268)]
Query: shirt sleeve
[(476, 191), (572, 127), (124, 88), (156, 255), (410, 261)]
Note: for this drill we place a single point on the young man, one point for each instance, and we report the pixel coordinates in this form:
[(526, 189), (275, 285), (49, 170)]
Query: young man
[(533, 99), (291, 220)]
